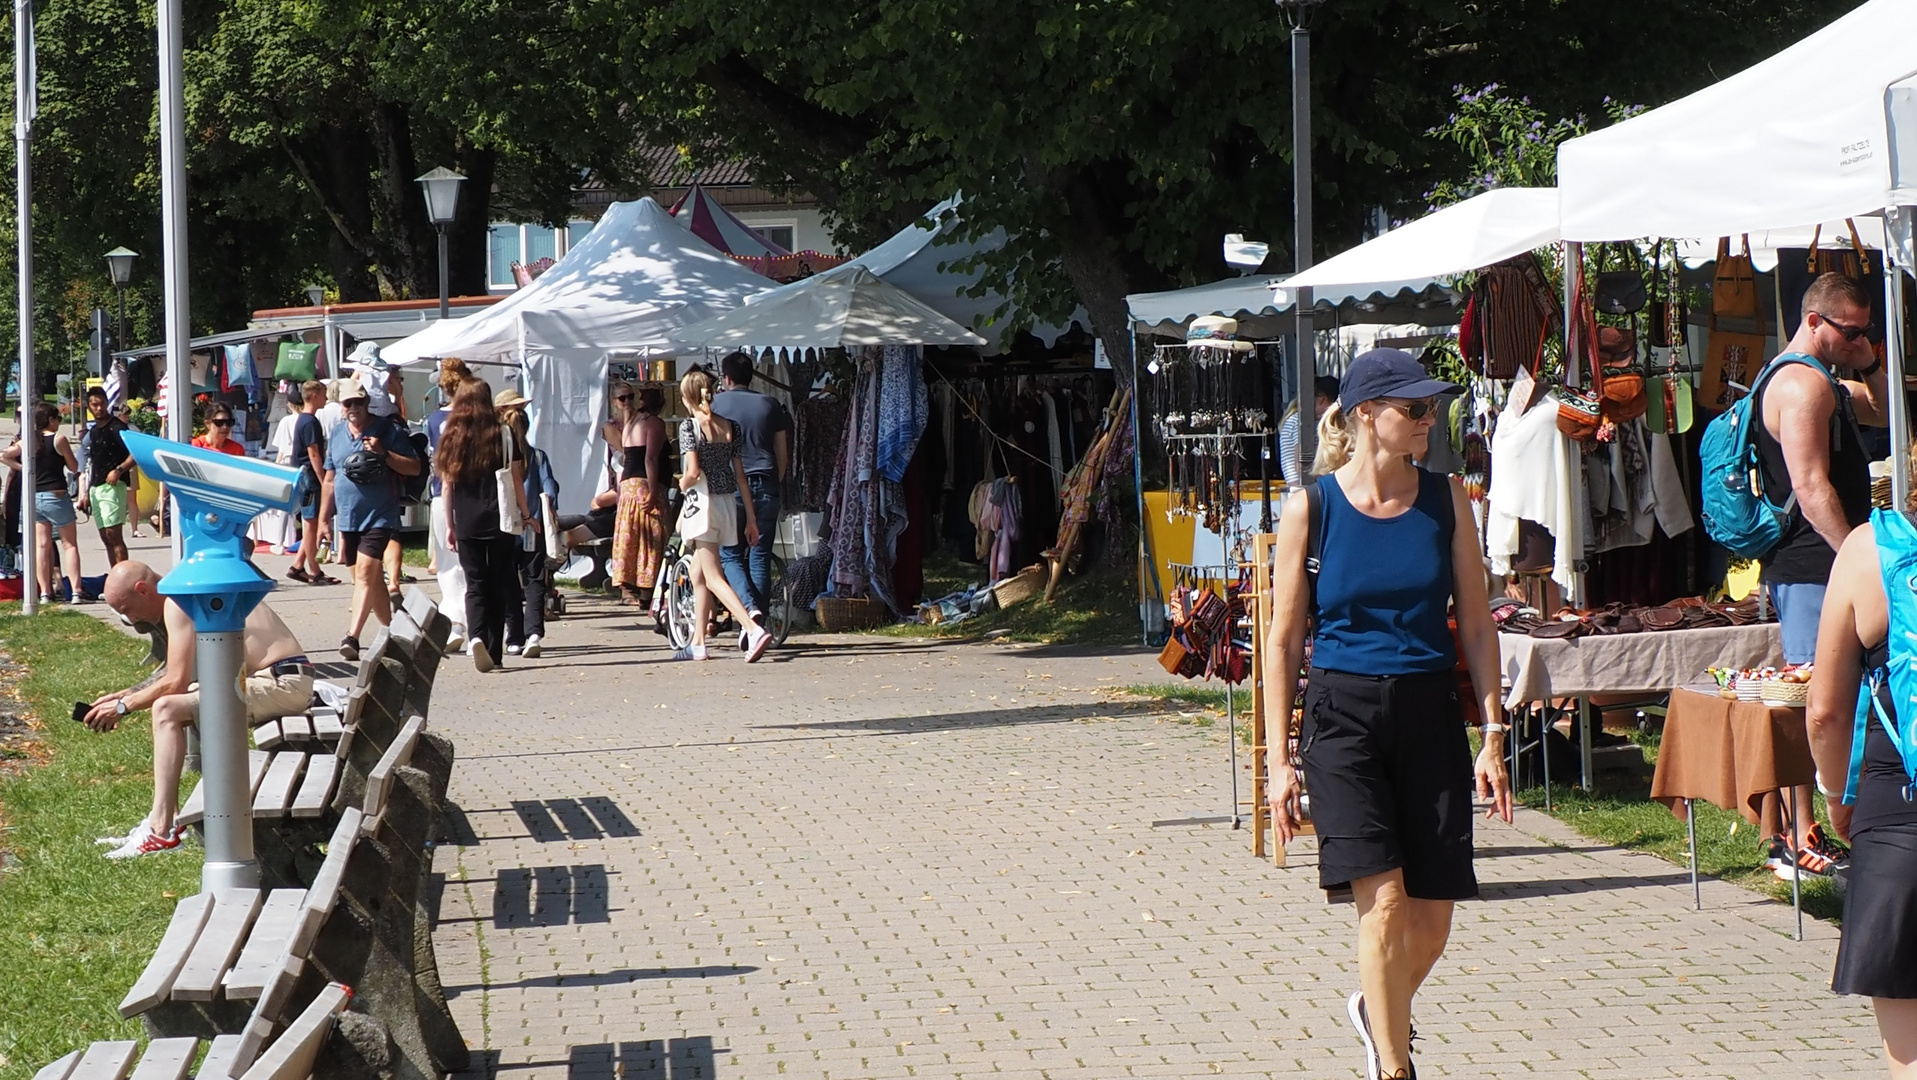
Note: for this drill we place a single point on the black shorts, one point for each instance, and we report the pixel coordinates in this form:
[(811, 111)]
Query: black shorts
[(1877, 954), (1388, 768), (370, 542)]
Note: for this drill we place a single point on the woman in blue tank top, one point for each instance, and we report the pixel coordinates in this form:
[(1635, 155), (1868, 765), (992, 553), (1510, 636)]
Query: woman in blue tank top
[(1383, 743)]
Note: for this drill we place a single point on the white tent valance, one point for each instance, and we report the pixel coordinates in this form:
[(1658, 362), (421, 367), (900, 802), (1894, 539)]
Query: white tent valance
[(1473, 234), (1250, 300), (847, 306), (1798, 138)]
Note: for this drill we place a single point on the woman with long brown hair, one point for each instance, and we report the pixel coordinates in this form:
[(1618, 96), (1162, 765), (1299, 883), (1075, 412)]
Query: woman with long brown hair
[(712, 474), (639, 530), (473, 446), (443, 564)]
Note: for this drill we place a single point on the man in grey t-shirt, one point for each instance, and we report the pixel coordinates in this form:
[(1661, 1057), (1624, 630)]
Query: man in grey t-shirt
[(766, 431)]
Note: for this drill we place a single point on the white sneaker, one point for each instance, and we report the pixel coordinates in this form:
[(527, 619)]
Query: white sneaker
[(512, 650), (456, 640), (756, 646), (531, 649), (1355, 1011), (120, 841), (145, 841), (482, 656), (576, 567)]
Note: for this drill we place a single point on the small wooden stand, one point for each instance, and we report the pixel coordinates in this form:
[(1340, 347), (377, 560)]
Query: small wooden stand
[(1262, 547)]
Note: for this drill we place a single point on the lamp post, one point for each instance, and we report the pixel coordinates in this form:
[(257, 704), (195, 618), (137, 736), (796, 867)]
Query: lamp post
[(442, 202), (120, 269), (1298, 13)]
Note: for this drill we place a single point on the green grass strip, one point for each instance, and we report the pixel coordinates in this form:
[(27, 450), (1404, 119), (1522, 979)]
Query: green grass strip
[(78, 928)]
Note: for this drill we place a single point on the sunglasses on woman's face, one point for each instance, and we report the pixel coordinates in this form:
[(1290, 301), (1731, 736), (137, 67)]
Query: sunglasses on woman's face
[(225, 421), (622, 397), (1414, 410)]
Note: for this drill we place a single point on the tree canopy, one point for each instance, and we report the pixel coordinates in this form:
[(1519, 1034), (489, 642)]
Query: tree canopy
[(1115, 140)]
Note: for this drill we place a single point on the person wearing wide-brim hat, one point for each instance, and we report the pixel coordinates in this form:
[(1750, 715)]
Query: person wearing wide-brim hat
[(1383, 747)]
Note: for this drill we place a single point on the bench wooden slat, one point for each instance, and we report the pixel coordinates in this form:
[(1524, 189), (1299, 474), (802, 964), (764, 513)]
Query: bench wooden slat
[(104, 1061), (292, 1055), (195, 808), (58, 1070), (370, 657), (326, 725), (247, 1045), (233, 911), (279, 916), (325, 891), (355, 704), (397, 755), (276, 787), (219, 1059), (418, 605), (166, 1059), (316, 790), (268, 735), (296, 728), (256, 763), (157, 980)]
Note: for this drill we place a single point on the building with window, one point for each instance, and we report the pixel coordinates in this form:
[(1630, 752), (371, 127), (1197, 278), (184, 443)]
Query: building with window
[(791, 221)]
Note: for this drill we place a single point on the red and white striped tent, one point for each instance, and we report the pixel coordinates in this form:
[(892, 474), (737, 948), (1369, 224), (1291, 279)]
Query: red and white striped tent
[(699, 212)]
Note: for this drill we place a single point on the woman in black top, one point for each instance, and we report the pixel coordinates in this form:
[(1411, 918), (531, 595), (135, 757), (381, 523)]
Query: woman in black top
[(1877, 955), (639, 526), (472, 448), (53, 511)]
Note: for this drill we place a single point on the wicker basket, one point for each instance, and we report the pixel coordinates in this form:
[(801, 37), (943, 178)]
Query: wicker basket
[(1781, 694), (1020, 587), (839, 614)]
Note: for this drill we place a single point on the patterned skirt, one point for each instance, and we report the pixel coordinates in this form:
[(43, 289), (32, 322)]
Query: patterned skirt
[(638, 536)]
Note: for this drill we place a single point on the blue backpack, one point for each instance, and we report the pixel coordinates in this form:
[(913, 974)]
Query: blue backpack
[(1736, 512), (1897, 555)]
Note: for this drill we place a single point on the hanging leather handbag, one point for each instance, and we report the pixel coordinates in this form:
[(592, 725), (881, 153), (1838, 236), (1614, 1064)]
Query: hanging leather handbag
[(1731, 361), (1620, 292), (1734, 289), (1581, 411), (1622, 387), (1172, 656)]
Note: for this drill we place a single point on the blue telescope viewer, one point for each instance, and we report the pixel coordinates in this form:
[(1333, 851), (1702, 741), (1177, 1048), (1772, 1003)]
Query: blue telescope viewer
[(218, 586)]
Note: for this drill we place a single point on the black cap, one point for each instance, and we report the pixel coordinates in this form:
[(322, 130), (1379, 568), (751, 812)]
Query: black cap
[(1388, 373)]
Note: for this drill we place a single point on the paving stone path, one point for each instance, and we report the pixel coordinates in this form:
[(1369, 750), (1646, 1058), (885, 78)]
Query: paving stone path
[(870, 857)]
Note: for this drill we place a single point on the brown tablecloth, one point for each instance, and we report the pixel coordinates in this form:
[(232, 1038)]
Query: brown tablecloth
[(1729, 753), (1539, 669)]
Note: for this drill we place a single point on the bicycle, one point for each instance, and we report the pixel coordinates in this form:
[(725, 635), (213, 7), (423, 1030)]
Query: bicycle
[(674, 599)]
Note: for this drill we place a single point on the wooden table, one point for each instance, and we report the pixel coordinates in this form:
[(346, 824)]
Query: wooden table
[(1729, 753)]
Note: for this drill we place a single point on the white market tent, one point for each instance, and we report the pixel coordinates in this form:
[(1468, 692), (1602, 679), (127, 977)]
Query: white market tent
[(1798, 138), (844, 307), (637, 278), (914, 260), (1470, 235)]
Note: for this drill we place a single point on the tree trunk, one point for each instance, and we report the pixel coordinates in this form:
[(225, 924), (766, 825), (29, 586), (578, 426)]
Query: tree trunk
[(470, 247), (1090, 256), (411, 250)]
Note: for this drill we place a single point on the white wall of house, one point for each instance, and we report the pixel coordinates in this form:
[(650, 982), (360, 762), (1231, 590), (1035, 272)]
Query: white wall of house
[(805, 225), (797, 228)]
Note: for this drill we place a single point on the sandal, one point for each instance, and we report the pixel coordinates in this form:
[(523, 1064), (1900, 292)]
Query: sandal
[(299, 575), (323, 578)]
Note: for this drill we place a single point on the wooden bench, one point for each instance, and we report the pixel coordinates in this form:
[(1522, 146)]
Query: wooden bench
[(224, 947), (291, 1057)]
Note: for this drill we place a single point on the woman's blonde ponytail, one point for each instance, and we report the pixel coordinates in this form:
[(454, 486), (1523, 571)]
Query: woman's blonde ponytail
[(1334, 441)]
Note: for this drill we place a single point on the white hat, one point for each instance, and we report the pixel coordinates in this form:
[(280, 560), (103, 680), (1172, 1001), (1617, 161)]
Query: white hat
[(366, 357)]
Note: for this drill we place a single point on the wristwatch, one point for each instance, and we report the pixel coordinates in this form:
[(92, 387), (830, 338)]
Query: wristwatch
[(119, 706)]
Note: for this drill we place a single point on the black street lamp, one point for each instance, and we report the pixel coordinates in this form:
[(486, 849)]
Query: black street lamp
[(442, 202), (120, 269), (1299, 13)]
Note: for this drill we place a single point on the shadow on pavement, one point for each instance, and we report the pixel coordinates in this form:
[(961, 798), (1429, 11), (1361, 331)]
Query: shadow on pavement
[(621, 977), (1525, 890), (551, 896)]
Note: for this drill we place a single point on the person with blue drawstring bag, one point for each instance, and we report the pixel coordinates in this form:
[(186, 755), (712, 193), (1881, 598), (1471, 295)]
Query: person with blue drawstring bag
[(1862, 718)]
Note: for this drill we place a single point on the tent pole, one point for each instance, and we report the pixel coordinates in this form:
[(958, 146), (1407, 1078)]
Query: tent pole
[(1894, 380), (1573, 260), (1149, 571)]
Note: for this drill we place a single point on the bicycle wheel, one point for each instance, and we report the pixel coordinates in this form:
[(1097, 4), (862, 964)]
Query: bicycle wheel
[(680, 604), (778, 619)]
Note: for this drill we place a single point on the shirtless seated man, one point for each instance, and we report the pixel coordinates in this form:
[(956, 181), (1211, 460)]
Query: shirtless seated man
[(278, 682)]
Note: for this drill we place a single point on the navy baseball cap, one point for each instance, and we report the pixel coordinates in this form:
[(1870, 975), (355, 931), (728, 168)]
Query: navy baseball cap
[(1388, 373)]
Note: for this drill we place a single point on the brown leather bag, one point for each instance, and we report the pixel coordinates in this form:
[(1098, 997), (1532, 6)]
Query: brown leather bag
[(1661, 618), (1172, 656), (1734, 289), (1581, 411)]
